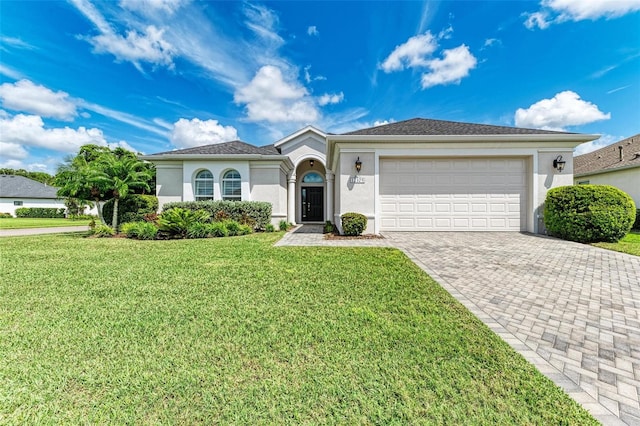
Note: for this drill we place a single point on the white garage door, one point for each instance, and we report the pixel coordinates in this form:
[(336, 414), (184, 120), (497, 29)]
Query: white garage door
[(453, 194)]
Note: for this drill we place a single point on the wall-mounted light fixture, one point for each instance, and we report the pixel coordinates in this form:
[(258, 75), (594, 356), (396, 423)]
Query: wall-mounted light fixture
[(310, 163), (358, 165), (559, 163)]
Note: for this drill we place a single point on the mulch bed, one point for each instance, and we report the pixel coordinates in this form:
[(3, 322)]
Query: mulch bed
[(358, 237)]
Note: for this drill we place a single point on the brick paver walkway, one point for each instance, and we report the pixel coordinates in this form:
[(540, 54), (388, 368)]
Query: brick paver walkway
[(570, 309)]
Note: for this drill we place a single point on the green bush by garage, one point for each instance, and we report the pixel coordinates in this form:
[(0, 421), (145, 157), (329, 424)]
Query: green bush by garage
[(589, 213)]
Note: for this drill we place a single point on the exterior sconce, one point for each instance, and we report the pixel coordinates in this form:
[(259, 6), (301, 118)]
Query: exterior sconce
[(559, 163), (310, 163), (358, 165)]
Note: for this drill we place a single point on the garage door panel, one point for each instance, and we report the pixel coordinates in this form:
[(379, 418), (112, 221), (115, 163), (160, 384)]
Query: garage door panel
[(453, 194)]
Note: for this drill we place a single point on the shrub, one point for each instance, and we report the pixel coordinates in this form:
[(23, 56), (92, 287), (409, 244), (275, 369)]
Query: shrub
[(245, 230), (80, 216), (176, 222), (5, 215), (328, 227), (636, 224), (40, 212), (269, 228), (233, 227), (353, 223), (102, 231), (140, 230), (132, 208), (256, 214), (284, 225), (218, 229), (588, 213), (198, 230)]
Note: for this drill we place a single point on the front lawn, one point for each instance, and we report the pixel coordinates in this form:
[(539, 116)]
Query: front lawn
[(21, 223), (629, 244), (234, 330)]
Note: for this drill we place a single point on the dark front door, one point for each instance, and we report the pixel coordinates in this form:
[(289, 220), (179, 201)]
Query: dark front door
[(312, 204)]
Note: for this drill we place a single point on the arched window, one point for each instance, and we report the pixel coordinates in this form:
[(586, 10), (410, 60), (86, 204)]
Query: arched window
[(312, 178), (204, 186), (232, 186)]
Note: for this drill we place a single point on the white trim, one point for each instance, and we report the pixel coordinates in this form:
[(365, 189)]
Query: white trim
[(300, 132)]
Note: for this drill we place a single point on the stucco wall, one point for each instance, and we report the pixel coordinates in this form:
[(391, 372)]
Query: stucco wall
[(627, 180), (305, 147), (547, 178), (6, 204), (357, 191), (168, 182), (266, 184)]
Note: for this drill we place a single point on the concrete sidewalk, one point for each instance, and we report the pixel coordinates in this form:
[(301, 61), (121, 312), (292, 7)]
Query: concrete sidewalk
[(38, 231)]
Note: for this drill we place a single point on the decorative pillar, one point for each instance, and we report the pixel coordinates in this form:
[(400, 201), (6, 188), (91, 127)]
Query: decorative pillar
[(329, 178), (291, 199)]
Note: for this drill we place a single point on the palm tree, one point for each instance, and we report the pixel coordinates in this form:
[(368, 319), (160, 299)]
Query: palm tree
[(80, 179), (121, 175)]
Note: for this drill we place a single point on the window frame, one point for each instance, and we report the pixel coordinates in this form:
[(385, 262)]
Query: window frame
[(198, 181), (235, 184)]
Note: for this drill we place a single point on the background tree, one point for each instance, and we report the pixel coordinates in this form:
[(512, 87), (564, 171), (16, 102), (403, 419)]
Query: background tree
[(41, 177)]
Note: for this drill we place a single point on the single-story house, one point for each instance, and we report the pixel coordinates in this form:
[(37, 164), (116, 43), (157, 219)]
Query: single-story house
[(617, 165), (413, 175), (19, 191)]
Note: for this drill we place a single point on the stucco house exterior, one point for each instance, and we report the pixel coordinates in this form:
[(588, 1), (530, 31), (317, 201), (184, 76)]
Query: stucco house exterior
[(413, 175), (617, 165), (19, 191)]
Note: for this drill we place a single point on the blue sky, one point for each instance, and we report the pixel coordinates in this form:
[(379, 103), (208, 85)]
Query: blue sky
[(154, 75)]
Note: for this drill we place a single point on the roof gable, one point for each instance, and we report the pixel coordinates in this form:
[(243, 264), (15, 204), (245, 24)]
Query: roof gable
[(12, 186), (295, 135), (609, 158), (423, 126)]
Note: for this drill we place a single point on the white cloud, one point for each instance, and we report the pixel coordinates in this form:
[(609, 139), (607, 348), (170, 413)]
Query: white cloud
[(308, 78), (313, 31), (13, 150), (29, 130), (328, 99), (147, 46), (446, 33), (123, 117), (601, 142), (15, 43), (196, 132), (10, 72), (563, 110), (148, 7), (453, 67), (537, 19), (264, 22), (491, 42), (272, 98), (383, 122), (25, 96), (557, 11), (412, 53)]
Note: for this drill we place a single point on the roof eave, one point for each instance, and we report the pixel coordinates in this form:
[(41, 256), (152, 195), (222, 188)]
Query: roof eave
[(602, 171), (578, 138), (253, 157)]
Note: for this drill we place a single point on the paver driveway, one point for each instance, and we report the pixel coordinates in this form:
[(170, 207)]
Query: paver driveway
[(571, 309)]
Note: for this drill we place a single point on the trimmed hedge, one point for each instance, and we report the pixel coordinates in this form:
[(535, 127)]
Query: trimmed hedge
[(636, 224), (40, 212), (589, 213), (256, 214), (353, 223), (132, 208)]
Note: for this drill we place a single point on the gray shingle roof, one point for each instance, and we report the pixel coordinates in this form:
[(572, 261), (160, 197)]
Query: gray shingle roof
[(608, 158), (225, 148), (423, 126), (21, 187)]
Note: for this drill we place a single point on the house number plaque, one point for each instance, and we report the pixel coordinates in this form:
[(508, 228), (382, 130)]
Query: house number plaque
[(356, 179)]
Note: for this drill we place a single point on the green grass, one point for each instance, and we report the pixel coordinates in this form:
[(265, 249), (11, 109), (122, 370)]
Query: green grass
[(233, 330), (630, 244), (21, 223)]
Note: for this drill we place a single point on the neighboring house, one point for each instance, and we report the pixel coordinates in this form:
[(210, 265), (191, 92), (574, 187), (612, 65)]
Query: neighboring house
[(617, 165), (19, 191), (414, 175)]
